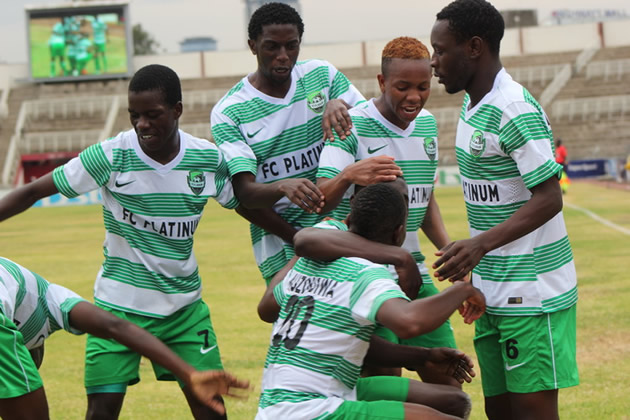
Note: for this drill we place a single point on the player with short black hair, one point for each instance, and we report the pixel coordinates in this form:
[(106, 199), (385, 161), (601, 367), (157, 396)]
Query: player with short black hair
[(270, 127), (274, 14), (519, 251), (155, 181)]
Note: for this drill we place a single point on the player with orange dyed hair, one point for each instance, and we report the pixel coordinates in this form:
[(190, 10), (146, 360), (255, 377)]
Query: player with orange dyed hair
[(395, 127)]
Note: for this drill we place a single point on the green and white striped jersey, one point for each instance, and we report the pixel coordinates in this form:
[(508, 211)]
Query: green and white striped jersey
[(151, 212), (279, 138), (504, 146), (415, 151), (328, 313), (36, 307)]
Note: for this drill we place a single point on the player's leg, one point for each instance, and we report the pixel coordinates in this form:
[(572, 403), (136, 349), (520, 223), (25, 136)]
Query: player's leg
[(189, 333), (443, 398), (22, 393), (538, 356), (109, 368), (31, 406), (386, 410)]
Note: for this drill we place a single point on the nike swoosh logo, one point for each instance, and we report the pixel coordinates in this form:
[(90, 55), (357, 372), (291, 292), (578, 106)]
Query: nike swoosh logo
[(204, 351), (118, 185), (250, 135), (370, 150), (509, 368)]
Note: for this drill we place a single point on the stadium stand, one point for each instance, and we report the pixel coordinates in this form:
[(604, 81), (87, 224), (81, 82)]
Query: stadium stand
[(589, 107)]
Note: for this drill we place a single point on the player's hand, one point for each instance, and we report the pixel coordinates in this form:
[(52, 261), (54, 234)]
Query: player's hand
[(409, 278), (472, 309), (208, 384), (457, 259), (304, 193), (336, 117), (451, 362), (373, 170)]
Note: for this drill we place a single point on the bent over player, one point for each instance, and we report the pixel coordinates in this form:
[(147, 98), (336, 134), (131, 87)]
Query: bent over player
[(326, 313), (31, 309)]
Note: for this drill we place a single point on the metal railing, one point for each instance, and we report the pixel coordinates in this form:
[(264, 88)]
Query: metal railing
[(609, 69), (591, 108)]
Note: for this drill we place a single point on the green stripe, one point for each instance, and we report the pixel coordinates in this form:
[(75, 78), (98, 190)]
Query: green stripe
[(62, 184), (137, 275), (163, 204), (542, 173), (483, 217), (563, 301), (507, 268), (553, 256), (271, 397), (96, 163), (16, 273), (521, 129), (491, 168)]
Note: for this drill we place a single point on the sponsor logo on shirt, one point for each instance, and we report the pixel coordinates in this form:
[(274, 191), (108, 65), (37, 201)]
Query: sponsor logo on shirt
[(196, 181), (316, 101), (376, 149), (430, 147), (477, 144)]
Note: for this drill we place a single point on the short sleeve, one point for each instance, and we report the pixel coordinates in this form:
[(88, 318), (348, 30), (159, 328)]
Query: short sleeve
[(374, 286), (526, 136)]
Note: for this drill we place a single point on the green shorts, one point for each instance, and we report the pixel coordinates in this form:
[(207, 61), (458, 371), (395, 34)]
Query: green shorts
[(57, 50), (110, 366), (525, 354), (99, 47), (19, 373), (441, 337), (380, 397)]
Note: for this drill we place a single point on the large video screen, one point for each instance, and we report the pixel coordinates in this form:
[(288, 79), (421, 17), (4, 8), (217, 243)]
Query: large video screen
[(73, 42)]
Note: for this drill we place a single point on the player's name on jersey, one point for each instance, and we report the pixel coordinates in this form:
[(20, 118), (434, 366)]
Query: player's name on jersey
[(419, 195), (482, 193), (169, 228), (301, 285), (283, 166)]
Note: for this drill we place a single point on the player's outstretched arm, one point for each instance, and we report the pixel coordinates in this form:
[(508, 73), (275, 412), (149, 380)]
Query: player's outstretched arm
[(368, 171), (256, 195), (24, 197), (268, 308), (204, 384), (330, 244), (459, 258), (411, 319)]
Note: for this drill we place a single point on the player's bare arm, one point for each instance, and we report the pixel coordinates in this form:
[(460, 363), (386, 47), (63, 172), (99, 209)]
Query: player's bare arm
[(205, 384), (268, 308), (460, 257), (330, 244), (336, 118), (411, 319), (24, 197), (269, 220), (364, 172), (300, 191)]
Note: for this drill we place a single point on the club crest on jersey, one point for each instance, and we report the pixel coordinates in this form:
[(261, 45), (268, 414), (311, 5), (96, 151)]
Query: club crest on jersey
[(477, 144), (316, 101), (430, 147), (196, 181)]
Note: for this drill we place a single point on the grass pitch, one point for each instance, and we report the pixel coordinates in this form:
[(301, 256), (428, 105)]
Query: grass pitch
[(65, 246)]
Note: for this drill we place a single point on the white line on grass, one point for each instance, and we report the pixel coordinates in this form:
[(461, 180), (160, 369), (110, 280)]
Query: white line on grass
[(599, 219)]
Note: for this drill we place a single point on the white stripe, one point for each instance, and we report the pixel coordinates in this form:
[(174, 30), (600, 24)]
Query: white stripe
[(553, 354), (28, 385), (599, 219)]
